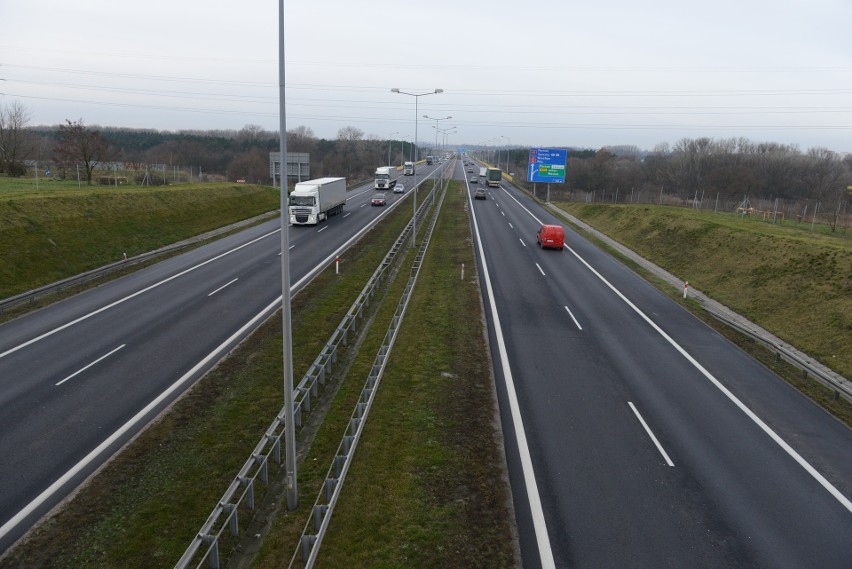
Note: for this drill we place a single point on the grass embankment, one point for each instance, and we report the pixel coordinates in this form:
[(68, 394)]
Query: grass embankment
[(143, 509), (59, 230), (426, 487), (795, 283)]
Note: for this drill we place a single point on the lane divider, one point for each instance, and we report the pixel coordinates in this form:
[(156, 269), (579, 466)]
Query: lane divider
[(844, 501)]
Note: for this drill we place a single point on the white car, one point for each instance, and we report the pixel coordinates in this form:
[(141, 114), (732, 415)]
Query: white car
[(399, 188)]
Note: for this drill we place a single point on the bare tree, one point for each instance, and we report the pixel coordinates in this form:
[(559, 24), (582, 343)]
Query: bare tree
[(16, 143), (348, 145), (79, 145), (301, 139)]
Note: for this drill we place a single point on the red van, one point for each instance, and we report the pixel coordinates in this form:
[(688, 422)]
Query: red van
[(552, 236)]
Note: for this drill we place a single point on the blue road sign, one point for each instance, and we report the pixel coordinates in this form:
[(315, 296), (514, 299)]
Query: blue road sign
[(547, 165)]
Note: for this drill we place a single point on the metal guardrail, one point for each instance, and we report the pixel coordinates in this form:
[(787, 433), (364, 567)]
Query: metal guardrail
[(311, 539), (241, 491), (809, 367)]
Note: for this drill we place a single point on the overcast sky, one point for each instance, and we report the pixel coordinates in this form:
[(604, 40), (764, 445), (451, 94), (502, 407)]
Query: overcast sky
[(545, 73)]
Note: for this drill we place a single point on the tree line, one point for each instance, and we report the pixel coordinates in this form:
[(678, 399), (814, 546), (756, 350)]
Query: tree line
[(733, 170), (214, 154)]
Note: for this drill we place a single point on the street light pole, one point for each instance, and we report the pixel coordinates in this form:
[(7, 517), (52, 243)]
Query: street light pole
[(289, 418), (414, 197), (389, 146), (436, 128), (509, 140), (445, 132)]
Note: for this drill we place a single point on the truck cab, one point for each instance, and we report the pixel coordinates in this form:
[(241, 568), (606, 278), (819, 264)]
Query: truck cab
[(383, 178), (408, 169)]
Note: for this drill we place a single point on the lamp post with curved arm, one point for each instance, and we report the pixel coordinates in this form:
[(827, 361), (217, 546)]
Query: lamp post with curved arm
[(416, 98)]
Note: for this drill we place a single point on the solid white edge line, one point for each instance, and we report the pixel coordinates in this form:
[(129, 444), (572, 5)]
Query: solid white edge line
[(225, 285), (651, 434), (572, 317), (78, 372), (134, 295), (85, 461), (540, 270), (844, 501), (539, 525), (733, 398)]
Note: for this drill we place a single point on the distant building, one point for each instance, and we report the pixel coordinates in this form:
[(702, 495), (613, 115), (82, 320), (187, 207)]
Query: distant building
[(298, 166)]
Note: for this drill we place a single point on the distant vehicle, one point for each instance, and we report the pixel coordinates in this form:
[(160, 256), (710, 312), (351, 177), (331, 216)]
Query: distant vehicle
[(551, 236), (399, 188), (313, 201), (378, 199), (493, 176), (479, 194), (429, 159), (383, 178), (470, 168), (408, 169), (474, 179), (482, 171)]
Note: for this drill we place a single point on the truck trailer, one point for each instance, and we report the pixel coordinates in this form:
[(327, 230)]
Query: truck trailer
[(314, 200), (383, 178)]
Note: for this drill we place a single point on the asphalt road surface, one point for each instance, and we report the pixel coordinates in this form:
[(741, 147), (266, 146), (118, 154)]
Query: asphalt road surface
[(636, 435), (79, 378)]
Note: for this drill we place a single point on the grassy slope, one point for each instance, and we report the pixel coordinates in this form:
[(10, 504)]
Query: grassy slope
[(795, 283), (61, 231)]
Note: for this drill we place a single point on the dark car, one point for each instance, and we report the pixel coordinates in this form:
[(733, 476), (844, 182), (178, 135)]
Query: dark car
[(378, 199), (479, 194)]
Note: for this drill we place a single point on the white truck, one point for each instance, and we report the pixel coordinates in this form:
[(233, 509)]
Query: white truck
[(408, 169), (383, 178), (482, 171), (314, 200)]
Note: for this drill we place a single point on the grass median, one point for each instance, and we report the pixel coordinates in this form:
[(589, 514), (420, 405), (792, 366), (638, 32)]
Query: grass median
[(426, 488)]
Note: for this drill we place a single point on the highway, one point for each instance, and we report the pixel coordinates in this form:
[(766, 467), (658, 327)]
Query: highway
[(636, 436), (80, 378)]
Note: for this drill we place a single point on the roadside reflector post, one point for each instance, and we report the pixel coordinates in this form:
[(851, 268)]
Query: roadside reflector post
[(685, 288), (337, 265), (462, 271)]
